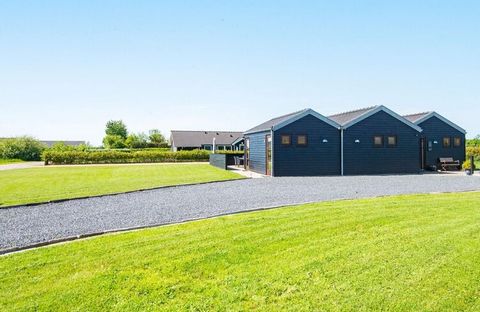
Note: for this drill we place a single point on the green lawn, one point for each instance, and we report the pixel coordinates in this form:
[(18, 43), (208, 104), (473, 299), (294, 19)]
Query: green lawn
[(407, 253), (9, 161), (43, 184)]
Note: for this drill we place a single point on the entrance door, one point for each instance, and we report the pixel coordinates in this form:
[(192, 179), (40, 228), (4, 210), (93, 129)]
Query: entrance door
[(268, 154)]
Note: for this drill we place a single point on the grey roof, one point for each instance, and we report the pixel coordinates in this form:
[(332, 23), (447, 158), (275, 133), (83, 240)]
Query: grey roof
[(186, 138), (344, 118), (348, 119), (421, 117), (273, 122), (414, 117), (68, 143)]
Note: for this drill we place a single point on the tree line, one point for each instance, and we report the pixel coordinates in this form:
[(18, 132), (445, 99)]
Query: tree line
[(117, 136)]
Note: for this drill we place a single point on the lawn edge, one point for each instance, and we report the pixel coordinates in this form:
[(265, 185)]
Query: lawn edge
[(118, 193), (13, 250)]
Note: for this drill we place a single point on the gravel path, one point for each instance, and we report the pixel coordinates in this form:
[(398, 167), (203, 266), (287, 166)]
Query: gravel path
[(28, 225), (21, 165)]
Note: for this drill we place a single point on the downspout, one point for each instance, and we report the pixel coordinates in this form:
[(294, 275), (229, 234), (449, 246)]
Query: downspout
[(271, 136), (341, 151)]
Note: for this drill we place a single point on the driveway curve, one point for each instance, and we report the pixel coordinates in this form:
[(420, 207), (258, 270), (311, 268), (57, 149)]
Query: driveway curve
[(30, 225)]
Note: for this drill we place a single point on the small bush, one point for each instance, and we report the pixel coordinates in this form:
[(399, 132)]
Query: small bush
[(118, 157), (467, 165), (24, 148)]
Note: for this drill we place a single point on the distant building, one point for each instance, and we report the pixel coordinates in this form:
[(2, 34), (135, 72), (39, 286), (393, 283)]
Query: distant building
[(190, 140), (67, 143)]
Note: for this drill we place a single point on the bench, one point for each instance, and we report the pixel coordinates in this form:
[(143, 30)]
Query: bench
[(447, 163)]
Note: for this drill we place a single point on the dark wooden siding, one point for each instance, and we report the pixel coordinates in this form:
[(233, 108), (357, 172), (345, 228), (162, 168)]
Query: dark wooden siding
[(315, 159), (218, 160), (364, 158), (257, 151), (435, 130)]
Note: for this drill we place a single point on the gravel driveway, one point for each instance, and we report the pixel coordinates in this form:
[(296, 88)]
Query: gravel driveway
[(28, 225)]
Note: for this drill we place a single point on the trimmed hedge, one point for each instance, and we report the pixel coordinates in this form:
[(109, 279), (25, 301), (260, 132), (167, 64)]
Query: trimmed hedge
[(120, 157)]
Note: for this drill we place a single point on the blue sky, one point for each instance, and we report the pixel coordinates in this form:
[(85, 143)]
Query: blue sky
[(66, 67)]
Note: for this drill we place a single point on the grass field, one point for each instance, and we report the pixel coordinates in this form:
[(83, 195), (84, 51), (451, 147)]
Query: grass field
[(9, 161), (407, 253), (42, 184)]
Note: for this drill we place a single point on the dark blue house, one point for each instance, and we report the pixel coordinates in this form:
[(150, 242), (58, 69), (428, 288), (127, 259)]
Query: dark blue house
[(440, 138), (303, 143), (376, 140), (373, 140)]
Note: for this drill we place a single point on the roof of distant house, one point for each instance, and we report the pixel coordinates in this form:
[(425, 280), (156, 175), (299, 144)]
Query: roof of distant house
[(68, 143), (186, 138)]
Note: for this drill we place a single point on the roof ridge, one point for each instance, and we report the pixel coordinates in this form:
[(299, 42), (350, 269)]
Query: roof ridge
[(420, 113), (289, 114), (355, 110)]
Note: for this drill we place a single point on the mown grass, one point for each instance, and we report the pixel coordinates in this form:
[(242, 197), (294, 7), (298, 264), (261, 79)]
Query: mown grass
[(406, 253), (9, 161), (43, 184)]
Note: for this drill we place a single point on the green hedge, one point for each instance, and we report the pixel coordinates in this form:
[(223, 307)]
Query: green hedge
[(120, 157), (24, 148)]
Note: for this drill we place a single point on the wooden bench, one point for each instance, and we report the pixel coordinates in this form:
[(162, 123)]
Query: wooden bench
[(447, 163)]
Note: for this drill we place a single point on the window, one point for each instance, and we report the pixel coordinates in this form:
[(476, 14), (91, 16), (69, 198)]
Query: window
[(286, 139), (392, 141), (457, 142), (446, 142), (378, 141), (301, 140)]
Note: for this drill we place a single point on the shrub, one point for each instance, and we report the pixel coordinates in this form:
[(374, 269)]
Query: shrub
[(117, 157), (473, 151), (474, 142), (114, 141), (137, 140), (24, 148), (467, 165)]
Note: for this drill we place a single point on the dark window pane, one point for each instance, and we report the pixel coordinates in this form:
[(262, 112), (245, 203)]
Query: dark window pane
[(446, 142), (302, 140), (378, 141), (457, 142), (392, 140), (286, 139)]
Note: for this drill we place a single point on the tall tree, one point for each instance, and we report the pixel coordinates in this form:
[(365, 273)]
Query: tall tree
[(116, 127), (156, 138)]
